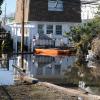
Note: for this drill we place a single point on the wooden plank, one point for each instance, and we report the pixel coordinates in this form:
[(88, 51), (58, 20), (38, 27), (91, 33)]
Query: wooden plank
[(24, 77)]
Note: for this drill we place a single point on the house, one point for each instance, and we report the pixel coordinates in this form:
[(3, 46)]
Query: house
[(89, 9), (8, 19), (50, 17)]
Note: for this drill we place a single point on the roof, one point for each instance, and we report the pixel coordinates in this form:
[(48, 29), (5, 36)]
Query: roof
[(37, 10), (44, 36)]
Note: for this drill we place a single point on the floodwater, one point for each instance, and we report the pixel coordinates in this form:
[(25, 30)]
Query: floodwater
[(58, 70)]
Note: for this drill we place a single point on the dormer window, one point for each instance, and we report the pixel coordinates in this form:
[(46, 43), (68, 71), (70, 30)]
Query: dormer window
[(55, 5)]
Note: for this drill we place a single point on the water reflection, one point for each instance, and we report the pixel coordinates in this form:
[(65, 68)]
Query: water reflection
[(46, 67), (4, 62), (6, 70), (59, 70)]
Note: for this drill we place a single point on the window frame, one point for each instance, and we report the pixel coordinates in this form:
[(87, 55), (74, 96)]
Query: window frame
[(54, 6), (41, 30), (49, 30), (58, 31)]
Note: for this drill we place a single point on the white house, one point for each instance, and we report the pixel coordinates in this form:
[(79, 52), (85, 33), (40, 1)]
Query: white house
[(88, 9), (50, 17)]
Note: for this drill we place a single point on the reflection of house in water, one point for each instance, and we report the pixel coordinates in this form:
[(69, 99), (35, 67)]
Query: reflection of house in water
[(6, 71), (38, 63), (4, 62), (46, 67)]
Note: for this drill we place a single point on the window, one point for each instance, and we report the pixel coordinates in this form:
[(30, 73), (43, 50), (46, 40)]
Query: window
[(59, 29), (55, 5), (49, 29), (48, 70), (57, 68), (40, 28)]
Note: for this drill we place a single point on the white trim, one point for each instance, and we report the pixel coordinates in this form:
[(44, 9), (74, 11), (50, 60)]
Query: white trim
[(47, 22), (26, 26)]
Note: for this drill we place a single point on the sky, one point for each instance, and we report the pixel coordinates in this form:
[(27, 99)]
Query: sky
[(11, 6)]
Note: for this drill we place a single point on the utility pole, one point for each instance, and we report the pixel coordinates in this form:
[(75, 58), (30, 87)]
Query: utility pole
[(5, 17), (22, 37)]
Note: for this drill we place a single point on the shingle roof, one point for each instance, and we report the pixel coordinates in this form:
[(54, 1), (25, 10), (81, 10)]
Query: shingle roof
[(37, 10)]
